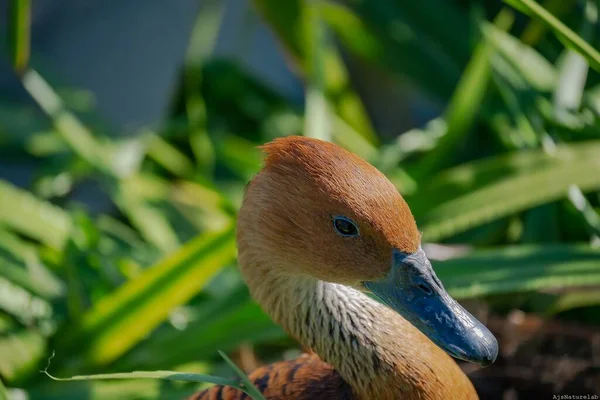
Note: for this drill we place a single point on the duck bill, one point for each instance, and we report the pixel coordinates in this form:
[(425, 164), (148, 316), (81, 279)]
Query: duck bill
[(412, 289)]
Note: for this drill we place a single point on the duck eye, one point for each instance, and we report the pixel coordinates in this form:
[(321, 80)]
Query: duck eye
[(345, 226)]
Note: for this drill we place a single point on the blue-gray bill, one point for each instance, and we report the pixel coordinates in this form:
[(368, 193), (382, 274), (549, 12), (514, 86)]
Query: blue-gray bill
[(414, 291)]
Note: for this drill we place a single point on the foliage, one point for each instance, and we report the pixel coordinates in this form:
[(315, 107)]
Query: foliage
[(512, 167)]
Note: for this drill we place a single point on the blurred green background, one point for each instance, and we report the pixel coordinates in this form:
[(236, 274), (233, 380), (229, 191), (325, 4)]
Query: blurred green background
[(485, 114)]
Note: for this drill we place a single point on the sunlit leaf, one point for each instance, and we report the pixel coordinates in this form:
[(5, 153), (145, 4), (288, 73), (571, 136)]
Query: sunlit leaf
[(19, 33), (30, 216), (518, 269), (123, 318), (460, 209), (562, 32)]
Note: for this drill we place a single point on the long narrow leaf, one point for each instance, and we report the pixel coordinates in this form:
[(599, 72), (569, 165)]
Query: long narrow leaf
[(19, 33), (123, 318), (520, 268), (248, 385), (562, 32), (464, 105), (30, 216), (3, 391), (573, 165)]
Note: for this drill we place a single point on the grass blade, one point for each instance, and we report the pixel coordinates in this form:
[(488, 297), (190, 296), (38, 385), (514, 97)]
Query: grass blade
[(520, 269), (245, 385), (451, 213), (30, 216), (317, 123), (19, 33), (249, 386), (461, 113), (247, 323), (123, 318), (3, 391), (563, 33), (166, 375)]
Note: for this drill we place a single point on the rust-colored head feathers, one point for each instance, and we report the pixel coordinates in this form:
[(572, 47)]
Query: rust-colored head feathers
[(303, 186)]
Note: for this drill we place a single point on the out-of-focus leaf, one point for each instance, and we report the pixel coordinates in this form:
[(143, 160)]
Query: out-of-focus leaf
[(202, 42), (301, 28), (21, 351), (23, 305), (573, 71), (571, 165), (533, 67), (244, 323), (535, 29), (132, 196), (588, 214), (78, 137), (592, 97), (242, 156), (408, 48), (575, 299), (518, 269), (3, 391), (19, 33), (317, 121), (562, 32), (464, 105), (19, 262), (40, 220), (119, 321), (134, 389)]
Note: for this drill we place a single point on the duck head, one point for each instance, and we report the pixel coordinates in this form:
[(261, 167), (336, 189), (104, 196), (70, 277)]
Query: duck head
[(321, 211)]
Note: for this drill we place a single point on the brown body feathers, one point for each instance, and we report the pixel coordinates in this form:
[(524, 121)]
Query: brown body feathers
[(305, 378)]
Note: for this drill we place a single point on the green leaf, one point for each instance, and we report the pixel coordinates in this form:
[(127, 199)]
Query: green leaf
[(562, 32), (20, 353), (19, 33), (3, 391), (168, 156), (30, 216), (248, 385), (20, 263), (300, 26), (470, 202), (532, 66), (576, 299), (128, 389), (131, 195), (520, 269), (123, 318), (77, 135), (317, 123), (167, 375), (223, 327), (405, 47), (245, 385), (462, 111)]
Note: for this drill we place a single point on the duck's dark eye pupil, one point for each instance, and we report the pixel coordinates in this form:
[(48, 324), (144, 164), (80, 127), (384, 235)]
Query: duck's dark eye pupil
[(345, 227)]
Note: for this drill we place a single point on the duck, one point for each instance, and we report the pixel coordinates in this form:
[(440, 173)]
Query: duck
[(331, 251)]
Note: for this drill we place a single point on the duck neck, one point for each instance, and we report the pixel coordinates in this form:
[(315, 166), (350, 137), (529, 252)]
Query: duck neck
[(377, 352)]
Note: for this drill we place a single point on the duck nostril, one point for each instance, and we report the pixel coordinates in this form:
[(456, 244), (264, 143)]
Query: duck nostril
[(424, 288)]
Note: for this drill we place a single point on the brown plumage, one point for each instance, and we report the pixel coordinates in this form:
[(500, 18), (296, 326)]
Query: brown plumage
[(309, 280), (304, 378)]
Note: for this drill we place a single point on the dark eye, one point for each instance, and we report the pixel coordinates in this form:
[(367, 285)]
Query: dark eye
[(345, 226)]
